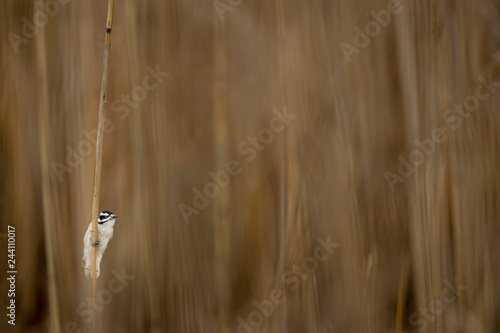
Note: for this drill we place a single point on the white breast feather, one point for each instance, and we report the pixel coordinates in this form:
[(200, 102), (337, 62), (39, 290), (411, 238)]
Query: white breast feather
[(105, 233)]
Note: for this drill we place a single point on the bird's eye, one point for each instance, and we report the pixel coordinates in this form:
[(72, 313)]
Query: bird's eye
[(102, 217)]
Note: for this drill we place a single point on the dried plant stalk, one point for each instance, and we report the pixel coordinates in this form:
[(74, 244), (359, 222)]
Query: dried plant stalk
[(98, 159)]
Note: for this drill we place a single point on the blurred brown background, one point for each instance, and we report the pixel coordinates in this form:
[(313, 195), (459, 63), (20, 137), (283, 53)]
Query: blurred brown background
[(230, 63)]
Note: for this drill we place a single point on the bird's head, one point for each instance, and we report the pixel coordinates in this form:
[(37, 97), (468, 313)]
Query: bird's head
[(106, 216)]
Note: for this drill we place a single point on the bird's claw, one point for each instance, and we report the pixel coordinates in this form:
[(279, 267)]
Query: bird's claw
[(96, 244)]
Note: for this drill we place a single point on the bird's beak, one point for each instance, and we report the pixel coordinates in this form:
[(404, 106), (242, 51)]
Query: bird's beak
[(114, 216)]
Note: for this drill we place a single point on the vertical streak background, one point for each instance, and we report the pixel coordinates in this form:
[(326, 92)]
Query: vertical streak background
[(323, 175)]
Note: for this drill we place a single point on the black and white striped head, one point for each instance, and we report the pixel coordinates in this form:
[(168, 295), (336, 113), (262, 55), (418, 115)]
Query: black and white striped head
[(106, 216)]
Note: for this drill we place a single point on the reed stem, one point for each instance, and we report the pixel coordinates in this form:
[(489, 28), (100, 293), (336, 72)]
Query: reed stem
[(99, 144)]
